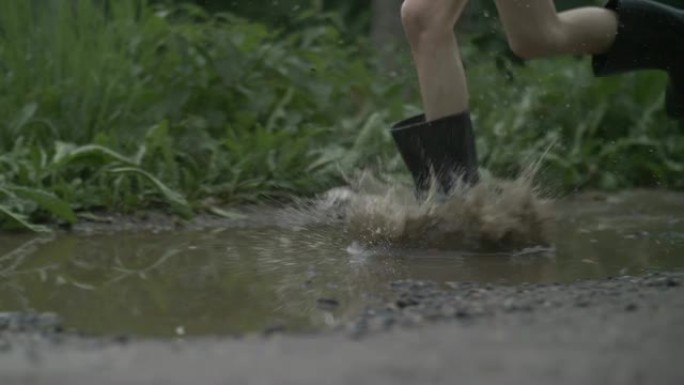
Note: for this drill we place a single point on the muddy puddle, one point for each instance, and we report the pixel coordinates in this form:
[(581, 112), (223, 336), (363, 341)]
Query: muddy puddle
[(232, 280)]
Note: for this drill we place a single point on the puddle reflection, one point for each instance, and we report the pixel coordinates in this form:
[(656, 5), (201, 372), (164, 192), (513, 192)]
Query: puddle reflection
[(236, 280)]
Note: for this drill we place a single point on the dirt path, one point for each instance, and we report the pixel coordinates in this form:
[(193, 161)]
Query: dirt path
[(620, 331)]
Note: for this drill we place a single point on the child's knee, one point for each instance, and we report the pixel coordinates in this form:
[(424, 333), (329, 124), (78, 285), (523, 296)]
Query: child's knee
[(422, 18), (418, 16)]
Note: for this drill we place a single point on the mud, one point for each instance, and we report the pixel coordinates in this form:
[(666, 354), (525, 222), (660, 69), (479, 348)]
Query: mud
[(625, 330)]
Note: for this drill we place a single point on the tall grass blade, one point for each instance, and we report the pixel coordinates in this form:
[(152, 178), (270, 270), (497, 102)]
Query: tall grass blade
[(66, 153), (16, 221), (176, 200), (47, 201)]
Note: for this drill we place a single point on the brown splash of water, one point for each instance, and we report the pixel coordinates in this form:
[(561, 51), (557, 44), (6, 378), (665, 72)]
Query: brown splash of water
[(494, 214)]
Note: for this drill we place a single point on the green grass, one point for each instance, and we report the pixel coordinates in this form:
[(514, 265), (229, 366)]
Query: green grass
[(148, 106), (609, 133), (141, 104)]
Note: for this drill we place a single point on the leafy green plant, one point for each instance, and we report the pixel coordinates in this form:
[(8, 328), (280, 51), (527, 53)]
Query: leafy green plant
[(121, 105), (15, 199), (594, 133)]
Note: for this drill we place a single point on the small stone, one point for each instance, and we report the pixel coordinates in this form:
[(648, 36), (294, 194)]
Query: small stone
[(327, 303), (631, 307), (462, 314), (405, 302), (582, 303), (122, 338), (663, 282), (274, 329)]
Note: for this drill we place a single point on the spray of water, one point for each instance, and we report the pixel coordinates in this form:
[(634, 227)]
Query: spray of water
[(494, 214)]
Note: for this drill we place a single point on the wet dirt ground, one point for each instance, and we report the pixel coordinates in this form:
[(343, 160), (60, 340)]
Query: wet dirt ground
[(617, 331), (603, 304)]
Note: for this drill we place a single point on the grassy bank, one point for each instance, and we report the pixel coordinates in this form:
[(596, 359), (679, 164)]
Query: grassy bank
[(139, 105)]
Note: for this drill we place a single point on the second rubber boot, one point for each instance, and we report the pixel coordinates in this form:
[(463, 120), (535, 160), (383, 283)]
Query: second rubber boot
[(442, 150), (406, 135), (650, 36)]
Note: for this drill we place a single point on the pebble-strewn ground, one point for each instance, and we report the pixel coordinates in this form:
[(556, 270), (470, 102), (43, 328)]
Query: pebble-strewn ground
[(627, 330)]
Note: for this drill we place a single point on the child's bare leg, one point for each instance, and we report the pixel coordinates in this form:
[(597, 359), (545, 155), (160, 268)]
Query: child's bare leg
[(439, 145), (429, 27), (626, 35), (534, 28)]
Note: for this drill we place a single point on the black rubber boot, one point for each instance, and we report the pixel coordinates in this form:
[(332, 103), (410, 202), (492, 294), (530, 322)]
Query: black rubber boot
[(406, 134), (442, 148), (650, 36)]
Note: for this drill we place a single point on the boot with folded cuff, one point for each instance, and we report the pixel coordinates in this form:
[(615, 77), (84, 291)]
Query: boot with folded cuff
[(442, 150)]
